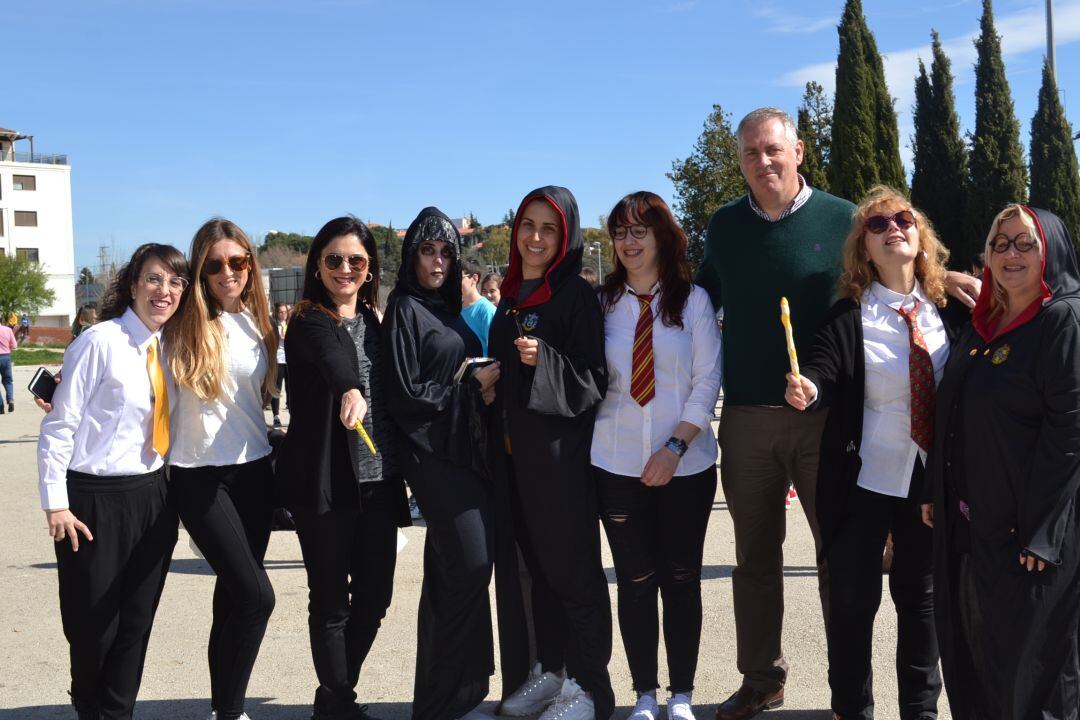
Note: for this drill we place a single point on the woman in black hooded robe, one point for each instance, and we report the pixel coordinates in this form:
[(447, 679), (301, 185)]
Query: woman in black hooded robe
[(1005, 474), (548, 335), (426, 340)]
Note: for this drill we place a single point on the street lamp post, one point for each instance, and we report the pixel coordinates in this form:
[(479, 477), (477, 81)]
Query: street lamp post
[(595, 247)]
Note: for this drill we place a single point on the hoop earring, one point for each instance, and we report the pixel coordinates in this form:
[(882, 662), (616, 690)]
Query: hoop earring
[(368, 278), (317, 276)]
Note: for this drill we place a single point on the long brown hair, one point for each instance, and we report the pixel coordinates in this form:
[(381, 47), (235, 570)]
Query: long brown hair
[(675, 275), (195, 338), (858, 272)]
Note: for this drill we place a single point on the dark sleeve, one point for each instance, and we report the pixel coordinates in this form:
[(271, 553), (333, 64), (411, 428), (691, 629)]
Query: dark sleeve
[(824, 363), (570, 380), (312, 340), (1054, 476)]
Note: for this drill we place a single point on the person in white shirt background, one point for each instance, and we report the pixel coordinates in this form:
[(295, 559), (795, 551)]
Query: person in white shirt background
[(875, 365), (103, 487), (281, 325), (653, 449), (223, 355)]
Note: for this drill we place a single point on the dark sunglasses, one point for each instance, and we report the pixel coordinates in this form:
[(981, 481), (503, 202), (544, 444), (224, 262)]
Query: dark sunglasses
[(637, 230), (1022, 242), (237, 263), (333, 261), (880, 223)]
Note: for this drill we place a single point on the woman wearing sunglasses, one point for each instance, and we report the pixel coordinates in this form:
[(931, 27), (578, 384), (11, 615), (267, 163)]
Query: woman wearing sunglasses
[(653, 449), (874, 367), (222, 352), (347, 500), (1005, 474), (101, 463)]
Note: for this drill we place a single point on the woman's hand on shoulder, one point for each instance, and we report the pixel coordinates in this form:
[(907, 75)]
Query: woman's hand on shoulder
[(353, 408), (63, 525), (800, 392)]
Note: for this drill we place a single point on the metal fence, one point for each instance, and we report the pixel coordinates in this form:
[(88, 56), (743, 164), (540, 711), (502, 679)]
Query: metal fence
[(41, 159)]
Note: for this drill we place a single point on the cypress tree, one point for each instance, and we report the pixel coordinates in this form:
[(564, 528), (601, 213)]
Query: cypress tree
[(815, 130), (998, 175), (865, 139), (939, 182), (1055, 179)]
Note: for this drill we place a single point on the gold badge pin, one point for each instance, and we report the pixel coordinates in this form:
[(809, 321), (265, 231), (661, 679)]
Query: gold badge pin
[(974, 352), (1001, 355)]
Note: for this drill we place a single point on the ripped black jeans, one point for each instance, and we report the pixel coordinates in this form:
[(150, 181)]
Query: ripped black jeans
[(657, 535)]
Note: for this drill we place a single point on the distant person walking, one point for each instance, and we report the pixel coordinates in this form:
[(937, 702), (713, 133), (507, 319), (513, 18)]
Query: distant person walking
[(281, 326), (7, 344), (24, 327), (476, 310), (86, 318)]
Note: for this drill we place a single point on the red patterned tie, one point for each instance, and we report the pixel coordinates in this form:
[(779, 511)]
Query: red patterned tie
[(923, 390), (642, 375)]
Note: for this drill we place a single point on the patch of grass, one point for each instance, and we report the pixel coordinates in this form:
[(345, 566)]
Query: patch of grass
[(24, 356)]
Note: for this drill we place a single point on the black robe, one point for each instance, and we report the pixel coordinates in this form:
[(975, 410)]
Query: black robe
[(442, 455), (1007, 442), (546, 412)]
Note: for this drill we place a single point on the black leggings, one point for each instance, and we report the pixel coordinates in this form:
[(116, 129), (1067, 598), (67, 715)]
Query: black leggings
[(349, 555), (657, 536), (282, 379), (228, 512)]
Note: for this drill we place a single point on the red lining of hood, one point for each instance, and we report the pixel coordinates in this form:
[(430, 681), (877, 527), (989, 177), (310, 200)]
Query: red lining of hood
[(512, 283), (987, 326)]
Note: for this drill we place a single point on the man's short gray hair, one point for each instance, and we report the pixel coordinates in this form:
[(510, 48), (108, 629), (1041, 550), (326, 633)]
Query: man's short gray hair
[(764, 114)]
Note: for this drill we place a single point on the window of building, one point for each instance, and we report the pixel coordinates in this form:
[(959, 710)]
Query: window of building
[(30, 254), (23, 182), (25, 218), (1, 223)]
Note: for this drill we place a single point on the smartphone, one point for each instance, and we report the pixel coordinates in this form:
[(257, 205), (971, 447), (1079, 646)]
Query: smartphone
[(43, 385)]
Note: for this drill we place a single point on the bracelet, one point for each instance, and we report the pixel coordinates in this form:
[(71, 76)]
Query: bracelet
[(676, 445)]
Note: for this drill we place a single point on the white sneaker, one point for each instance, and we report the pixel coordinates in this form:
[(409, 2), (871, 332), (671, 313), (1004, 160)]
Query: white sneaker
[(534, 695), (571, 704), (678, 708), (243, 716), (645, 708)]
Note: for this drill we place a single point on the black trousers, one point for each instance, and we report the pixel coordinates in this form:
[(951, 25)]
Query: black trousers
[(228, 512), (109, 589), (455, 655), (282, 379), (349, 555), (657, 537), (854, 558), (559, 534)]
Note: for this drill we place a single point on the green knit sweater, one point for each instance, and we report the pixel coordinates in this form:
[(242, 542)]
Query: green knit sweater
[(749, 264)]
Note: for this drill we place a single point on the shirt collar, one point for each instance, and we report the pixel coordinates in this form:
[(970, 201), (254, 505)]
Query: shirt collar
[(796, 202), (897, 300), (654, 290), (140, 334)]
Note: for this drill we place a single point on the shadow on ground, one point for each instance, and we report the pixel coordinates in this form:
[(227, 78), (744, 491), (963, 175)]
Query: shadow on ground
[(723, 572), (191, 566)]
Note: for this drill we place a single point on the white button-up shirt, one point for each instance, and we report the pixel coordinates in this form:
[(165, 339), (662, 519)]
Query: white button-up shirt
[(888, 452), (102, 420), (687, 366)]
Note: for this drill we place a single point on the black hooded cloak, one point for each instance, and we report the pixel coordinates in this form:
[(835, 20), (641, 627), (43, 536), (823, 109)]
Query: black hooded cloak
[(543, 416), (1007, 443), (425, 340)]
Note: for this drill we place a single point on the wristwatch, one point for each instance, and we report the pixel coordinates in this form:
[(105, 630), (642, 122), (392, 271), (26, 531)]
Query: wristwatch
[(676, 445)]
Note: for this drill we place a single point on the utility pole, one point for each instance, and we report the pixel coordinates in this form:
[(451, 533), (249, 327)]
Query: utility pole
[(1050, 39)]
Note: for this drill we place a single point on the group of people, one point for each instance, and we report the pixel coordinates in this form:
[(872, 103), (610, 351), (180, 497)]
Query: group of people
[(526, 412)]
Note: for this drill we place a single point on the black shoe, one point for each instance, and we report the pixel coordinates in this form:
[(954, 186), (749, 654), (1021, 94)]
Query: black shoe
[(1, 408), (356, 712), (11, 407)]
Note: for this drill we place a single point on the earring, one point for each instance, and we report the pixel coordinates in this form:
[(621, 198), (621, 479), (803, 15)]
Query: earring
[(368, 278), (317, 276)]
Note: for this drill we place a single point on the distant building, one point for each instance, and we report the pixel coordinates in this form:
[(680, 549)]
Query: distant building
[(35, 219), (461, 223)]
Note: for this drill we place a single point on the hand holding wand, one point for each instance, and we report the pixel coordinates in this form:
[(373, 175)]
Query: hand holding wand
[(365, 437), (785, 320)]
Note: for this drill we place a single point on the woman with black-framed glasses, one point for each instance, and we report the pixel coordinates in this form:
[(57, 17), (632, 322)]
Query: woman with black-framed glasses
[(347, 501)]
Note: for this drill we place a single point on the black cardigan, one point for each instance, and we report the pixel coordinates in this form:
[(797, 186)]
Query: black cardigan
[(836, 365), (322, 367)]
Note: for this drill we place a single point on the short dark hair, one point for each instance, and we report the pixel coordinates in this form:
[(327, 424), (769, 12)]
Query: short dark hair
[(117, 298), (470, 267)]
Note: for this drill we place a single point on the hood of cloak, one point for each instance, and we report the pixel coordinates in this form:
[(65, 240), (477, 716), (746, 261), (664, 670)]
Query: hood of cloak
[(567, 262), (431, 224)]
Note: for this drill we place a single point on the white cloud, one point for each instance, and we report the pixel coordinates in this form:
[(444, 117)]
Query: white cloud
[(784, 22)]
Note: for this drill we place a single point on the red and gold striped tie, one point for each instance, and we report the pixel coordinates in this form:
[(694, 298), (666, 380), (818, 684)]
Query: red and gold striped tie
[(642, 374)]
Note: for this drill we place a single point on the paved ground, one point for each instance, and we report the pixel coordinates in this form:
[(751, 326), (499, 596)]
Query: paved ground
[(34, 661)]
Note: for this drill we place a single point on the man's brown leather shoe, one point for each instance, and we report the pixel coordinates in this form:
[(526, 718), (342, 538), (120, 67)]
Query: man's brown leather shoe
[(748, 702)]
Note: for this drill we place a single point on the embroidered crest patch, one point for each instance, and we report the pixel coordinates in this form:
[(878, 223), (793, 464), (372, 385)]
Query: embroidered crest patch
[(1001, 355), (530, 321)]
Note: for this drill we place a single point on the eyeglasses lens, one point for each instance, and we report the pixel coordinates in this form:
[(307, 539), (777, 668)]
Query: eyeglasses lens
[(357, 262), (237, 263)]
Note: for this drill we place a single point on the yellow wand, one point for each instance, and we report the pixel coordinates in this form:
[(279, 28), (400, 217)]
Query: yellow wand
[(365, 437), (785, 320)]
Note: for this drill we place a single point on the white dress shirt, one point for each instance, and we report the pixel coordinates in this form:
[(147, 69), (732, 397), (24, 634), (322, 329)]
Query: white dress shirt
[(888, 452), (232, 429), (102, 420), (687, 366)]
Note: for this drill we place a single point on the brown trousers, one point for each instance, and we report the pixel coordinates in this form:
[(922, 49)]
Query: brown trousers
[(763, 449)]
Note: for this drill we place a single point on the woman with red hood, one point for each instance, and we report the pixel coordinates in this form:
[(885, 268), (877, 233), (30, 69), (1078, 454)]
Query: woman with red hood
[(1005, 477), (548, 336)]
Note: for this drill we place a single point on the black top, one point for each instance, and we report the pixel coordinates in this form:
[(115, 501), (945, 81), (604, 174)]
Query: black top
[(314, 468), (365, 333)]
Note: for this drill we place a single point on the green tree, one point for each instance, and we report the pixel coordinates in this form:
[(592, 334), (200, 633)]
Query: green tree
[(815, 130), (508, 218), (1055, 179), (707, 179), (939, 182), (495, 250), (23, 287), (294, 241), (86, 277), (389, 248), (865, 139), (998, 175)]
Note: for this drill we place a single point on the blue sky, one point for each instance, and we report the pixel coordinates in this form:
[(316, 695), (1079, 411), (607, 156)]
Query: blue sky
[(282, 115)]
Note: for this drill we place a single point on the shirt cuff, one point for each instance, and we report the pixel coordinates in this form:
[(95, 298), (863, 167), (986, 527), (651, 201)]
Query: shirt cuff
[(698, 417), (814, 395), (54, 496)]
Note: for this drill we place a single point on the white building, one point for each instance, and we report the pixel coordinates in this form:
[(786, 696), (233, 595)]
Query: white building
[(35, 219)]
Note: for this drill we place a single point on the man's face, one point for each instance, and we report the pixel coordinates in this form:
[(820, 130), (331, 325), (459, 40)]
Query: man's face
[(770, 161)]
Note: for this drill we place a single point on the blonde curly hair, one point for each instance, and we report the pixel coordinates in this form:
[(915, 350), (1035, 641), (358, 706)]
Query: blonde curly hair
[(859, 272)]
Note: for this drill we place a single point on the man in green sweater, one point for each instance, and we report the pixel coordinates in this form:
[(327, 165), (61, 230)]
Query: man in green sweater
[(782, 239)]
